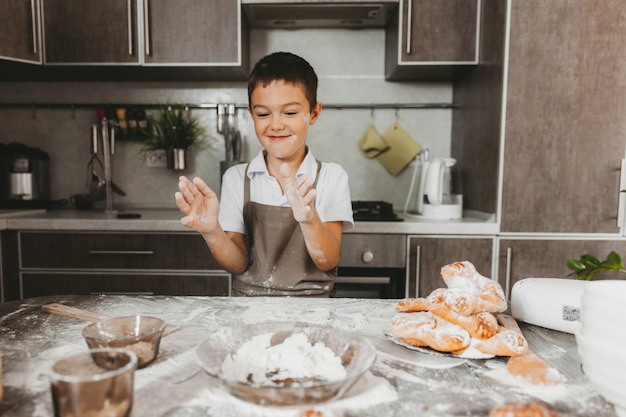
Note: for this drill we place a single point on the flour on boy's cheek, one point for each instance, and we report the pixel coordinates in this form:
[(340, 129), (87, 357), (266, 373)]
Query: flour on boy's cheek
[(268, 144)]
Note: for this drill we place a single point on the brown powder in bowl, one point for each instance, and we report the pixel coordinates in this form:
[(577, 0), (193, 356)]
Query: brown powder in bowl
[(144, 350)]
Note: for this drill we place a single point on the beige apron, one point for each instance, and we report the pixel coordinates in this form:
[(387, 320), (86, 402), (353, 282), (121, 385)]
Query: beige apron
[(279, 263)]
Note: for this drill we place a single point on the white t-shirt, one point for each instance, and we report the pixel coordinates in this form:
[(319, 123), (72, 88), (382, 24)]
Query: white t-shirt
[(332, 201)]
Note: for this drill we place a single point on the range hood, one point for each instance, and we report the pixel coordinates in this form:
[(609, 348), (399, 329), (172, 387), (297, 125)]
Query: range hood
[(319, 13)]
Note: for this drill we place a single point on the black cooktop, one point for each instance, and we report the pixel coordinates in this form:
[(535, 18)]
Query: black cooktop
[(374, 211)]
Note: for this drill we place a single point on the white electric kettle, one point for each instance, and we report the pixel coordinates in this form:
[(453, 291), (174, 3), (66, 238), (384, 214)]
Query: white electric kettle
[(430, 195)]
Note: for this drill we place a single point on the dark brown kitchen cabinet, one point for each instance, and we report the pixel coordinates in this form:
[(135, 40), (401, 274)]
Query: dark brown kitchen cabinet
[(427, 255), (35, 284), (547, 257), (193, 32), (76, 262), (432, 39), (149, 33), (91, 32), (565, 124), (20, 34)]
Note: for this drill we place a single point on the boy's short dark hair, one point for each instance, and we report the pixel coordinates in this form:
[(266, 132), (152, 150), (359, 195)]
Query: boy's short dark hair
[(287, 67)]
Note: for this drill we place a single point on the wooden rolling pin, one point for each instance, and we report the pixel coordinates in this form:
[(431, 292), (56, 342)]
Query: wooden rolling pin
[(63, 310)]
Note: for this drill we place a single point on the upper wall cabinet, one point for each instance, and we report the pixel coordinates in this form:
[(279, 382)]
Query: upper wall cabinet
[(432, 39), (192, 32), (20, 31), (150, 32), (131, 40), (90, 32)]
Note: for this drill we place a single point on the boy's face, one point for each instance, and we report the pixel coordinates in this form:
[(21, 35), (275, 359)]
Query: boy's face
[(281, 115)]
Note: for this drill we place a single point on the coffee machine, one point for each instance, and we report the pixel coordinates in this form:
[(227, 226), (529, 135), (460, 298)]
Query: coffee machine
[(24, 177)]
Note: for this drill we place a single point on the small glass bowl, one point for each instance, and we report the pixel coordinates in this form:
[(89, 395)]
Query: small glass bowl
[(140, 334), (357, 356)]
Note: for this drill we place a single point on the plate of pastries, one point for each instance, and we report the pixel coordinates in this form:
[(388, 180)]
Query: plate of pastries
[(457, 320)]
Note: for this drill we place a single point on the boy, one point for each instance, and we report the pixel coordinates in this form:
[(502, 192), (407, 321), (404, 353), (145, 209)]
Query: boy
[(278, 233)]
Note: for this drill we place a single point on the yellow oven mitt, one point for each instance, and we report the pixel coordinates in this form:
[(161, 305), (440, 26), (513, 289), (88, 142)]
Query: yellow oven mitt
[(402, 149), (371, 144)]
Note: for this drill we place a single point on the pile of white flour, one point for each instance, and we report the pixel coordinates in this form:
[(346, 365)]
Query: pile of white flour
[(295, 360)]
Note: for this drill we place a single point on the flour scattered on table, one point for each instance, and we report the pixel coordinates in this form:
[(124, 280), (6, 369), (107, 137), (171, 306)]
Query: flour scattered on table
[(368, 391), (294, 361), (262, 309), (419, 359), (575, 396)]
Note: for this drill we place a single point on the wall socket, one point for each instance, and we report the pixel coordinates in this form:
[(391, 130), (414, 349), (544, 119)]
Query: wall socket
[(156, 159)]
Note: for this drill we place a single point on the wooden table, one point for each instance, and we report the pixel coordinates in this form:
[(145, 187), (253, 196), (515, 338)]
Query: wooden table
[(401, 382)]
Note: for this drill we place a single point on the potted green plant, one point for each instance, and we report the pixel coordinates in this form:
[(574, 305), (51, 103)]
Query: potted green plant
[(175, 131)]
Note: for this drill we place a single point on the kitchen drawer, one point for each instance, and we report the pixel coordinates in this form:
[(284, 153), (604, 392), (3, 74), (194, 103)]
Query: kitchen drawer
[(35, 284), (373, 250), (88, 250)]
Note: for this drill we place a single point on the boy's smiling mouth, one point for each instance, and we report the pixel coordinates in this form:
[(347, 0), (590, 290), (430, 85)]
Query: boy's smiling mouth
[(278, 138)]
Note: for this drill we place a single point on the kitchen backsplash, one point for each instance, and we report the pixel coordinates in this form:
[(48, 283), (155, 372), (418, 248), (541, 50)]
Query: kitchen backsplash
[(350, 66)]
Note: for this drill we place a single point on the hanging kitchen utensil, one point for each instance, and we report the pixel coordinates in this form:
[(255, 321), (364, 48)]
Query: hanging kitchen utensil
[(97, 183), (96, 171), (529, 366), (94, 163), (97, 191), (117, 189), (228, 144), (221, 118), (236, 145), (230, 133)]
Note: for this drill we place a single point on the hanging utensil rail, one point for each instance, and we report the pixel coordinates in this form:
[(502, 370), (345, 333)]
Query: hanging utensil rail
[(338, 106)]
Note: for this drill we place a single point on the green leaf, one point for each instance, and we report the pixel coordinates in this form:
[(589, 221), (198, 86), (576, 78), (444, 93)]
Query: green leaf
[(590, 261), (614, 260), (588, 266)]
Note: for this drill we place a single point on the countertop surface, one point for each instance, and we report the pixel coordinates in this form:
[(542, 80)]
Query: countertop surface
[(401, 382), (169, 221)]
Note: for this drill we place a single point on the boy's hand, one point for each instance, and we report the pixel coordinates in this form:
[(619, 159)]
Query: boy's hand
[(199, 204), (300, 194)]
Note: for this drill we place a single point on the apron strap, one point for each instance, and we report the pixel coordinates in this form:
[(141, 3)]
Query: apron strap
[(246, 185)]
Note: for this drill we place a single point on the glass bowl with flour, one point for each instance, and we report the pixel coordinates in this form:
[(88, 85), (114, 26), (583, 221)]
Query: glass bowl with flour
[(286, 363)]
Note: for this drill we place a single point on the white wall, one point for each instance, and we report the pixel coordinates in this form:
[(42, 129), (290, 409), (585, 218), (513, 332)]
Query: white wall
[(350, 66)]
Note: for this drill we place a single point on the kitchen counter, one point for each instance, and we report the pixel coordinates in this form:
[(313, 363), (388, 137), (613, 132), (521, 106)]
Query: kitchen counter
[(402, 382), (169, 221)]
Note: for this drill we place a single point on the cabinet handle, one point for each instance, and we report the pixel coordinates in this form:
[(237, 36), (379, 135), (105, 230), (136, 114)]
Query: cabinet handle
[(130, 26), (507, 276), (121, 252), (130, 293), (363, 280), (146, 26), (621, 199), (418, 262), (33, 17), (409, 24)]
